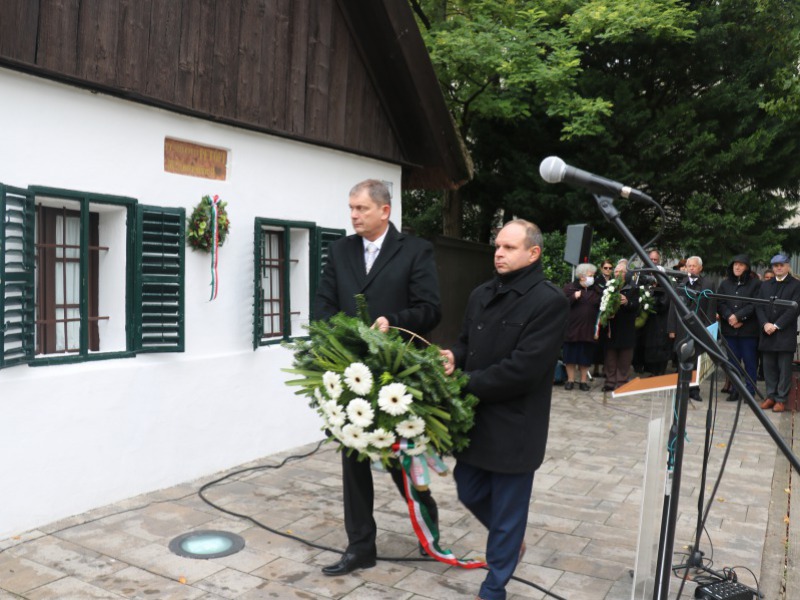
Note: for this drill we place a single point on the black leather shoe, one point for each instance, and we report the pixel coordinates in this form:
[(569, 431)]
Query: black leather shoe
[(348, 563), (569, 385)]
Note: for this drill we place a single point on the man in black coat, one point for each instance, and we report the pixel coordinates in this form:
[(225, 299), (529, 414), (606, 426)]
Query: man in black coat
[(778, 340), (737, 317), (509, 345), (397, 275), (694, 294)]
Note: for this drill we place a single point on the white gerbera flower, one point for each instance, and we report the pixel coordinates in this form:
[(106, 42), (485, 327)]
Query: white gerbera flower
[(393, 399), (333, 384), (360, 412), (358, 378), (354, 436), (336, 416), (380, 438), (411, 427), (420, 446)]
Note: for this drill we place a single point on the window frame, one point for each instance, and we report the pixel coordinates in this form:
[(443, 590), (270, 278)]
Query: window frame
[(150, 257), (319, 240)]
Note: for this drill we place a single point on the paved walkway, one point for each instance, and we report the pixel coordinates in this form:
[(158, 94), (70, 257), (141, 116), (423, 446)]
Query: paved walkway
[(581, 537)]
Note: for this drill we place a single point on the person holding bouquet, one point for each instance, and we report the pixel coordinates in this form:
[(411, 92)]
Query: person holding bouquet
[(397, 275), (508, 346), (618, 310)]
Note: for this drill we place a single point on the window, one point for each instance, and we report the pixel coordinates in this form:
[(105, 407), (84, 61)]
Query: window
[(86, 276), (288, 262)]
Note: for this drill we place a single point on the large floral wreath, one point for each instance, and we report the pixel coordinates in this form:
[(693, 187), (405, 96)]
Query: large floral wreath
[(200, 228), (382, 397), (377, 393)]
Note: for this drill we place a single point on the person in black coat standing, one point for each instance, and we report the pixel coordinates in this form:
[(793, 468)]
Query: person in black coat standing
[(397, 275), (508, 346), (693, 294), (620, 332), (778, 335), (737, 318)]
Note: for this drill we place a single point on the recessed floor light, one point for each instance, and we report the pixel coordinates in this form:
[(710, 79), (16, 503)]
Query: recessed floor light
[(206, 544)]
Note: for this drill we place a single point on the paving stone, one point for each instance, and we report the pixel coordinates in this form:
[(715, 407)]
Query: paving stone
[(69, 587), (19, 575), (138, 583)]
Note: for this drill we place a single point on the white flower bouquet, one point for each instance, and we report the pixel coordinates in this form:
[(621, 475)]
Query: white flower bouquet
[(610, 302), (646, 306), (377, 393)]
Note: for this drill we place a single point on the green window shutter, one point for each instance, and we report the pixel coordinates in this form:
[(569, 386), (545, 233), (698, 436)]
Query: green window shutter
[(323, 238), (159, 281), (258, 256), (17, 269)]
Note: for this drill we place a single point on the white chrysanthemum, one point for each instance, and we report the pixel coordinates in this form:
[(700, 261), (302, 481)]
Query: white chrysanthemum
[(336, 416), (358, 378), (360, 412), (393, 399), (646, 306), (411, 427), (354, 436), (333, 384), (336, 431), (380, 438), (420, 446)]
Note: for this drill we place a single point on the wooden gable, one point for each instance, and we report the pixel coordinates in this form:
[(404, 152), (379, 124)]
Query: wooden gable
[(347, 74)]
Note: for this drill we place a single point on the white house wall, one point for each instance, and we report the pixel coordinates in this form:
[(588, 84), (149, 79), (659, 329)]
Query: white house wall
[(79, 436)]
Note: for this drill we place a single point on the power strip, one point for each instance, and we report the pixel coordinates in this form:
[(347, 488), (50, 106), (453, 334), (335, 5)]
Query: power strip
[(724, 590)]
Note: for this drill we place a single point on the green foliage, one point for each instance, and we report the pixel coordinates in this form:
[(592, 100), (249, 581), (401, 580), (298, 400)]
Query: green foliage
[(199, 228), (557, 270), (696, 103)]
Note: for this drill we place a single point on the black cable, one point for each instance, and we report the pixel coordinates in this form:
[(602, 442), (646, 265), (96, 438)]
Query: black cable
[(257, 523)]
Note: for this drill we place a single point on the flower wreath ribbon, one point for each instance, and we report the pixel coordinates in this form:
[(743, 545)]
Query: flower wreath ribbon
[(214, 249), (416, 475)]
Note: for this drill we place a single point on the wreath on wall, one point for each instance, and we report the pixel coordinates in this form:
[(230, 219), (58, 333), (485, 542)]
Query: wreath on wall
[(200, 230)]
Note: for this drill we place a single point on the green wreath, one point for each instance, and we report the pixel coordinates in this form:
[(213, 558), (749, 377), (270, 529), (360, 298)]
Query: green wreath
[(199, 231)]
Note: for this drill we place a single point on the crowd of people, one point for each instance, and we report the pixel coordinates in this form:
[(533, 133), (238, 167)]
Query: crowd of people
[(512, 333), (623, 322)]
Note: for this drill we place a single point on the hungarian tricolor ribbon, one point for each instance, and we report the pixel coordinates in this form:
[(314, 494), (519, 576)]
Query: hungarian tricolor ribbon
[(416, 478), (214, 248)]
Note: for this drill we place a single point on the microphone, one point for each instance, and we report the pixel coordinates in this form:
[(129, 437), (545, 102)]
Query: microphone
[(555, 170)]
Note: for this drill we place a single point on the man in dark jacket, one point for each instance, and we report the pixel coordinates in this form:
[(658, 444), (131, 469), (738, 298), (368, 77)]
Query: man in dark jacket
[(397, 275), (737, 318), (508, 346), (692, 293), (778, 341)]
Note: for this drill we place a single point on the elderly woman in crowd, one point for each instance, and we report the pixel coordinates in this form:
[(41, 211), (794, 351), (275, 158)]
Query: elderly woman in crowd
[(584, 302)]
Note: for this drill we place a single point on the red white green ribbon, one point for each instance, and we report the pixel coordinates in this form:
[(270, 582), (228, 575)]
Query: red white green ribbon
[(415, 469), (214, 249)]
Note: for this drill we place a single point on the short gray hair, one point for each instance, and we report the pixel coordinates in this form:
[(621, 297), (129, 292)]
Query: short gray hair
[(533, 235), (585, 269), (376, 190), (697, 259)]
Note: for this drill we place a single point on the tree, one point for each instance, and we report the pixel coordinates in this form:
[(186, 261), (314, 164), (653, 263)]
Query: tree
[(697, 103)]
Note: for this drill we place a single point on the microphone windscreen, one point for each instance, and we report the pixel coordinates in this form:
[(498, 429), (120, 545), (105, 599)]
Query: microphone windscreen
[(552, 169)]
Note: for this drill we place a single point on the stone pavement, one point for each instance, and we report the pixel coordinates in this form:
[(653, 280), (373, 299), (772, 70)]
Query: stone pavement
[(581, 536)]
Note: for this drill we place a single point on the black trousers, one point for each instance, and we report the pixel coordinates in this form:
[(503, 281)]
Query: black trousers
[(359, 497)]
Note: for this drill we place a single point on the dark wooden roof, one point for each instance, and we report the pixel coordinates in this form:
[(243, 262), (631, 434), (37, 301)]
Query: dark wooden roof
[(347, 74)]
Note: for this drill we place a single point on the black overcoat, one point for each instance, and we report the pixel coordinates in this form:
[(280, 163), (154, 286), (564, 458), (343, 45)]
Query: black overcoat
[(582, 312), (509, 344), (746, 286), (785, 339), (402, 284), (620, 333)]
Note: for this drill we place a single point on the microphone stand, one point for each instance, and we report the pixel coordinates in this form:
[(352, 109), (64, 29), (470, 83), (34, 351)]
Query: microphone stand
[(696, 334)]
